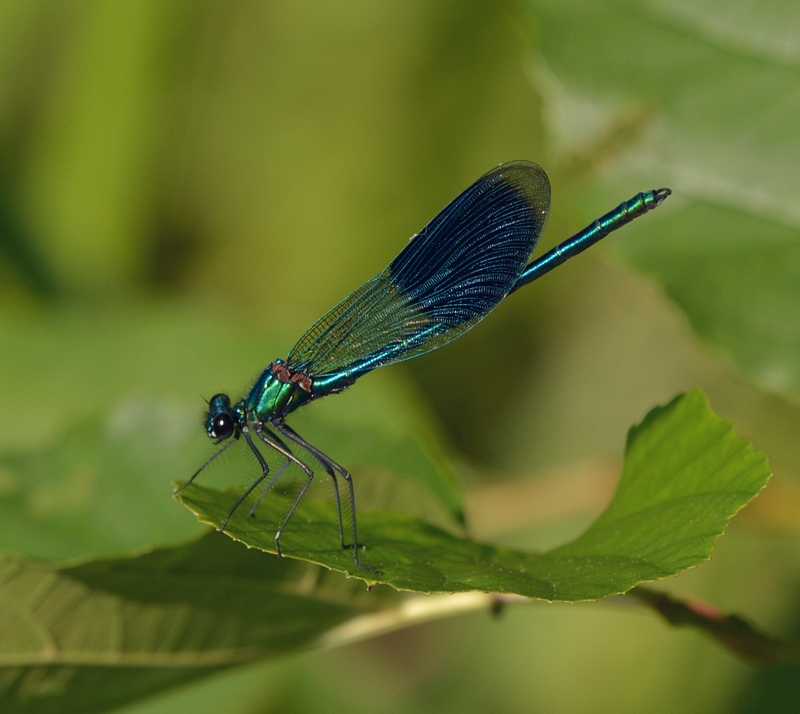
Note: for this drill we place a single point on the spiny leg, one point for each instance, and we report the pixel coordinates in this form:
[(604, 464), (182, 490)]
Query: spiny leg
[(328, 469), (277, 475), (273, 441), (264, 473), (293, 436), (329, 464), (208, 461), (269, 486)]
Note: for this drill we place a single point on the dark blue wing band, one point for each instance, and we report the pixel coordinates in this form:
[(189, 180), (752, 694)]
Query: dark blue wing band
[(449, 276)]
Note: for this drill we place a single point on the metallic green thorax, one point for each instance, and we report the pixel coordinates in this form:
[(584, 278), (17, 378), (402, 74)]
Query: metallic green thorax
[(277, 392), (271, 397)]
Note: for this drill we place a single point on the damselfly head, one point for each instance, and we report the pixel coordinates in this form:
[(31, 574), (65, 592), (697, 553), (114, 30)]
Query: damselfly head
[(221, 422)]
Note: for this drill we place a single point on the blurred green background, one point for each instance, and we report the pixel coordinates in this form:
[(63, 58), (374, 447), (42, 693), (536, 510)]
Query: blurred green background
[(186, 186)]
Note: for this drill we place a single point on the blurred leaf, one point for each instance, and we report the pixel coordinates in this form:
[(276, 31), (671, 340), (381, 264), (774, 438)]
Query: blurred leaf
[(94, 636), (102, 487), (719, 83), (686, 474), (82, 361), (738, 277)]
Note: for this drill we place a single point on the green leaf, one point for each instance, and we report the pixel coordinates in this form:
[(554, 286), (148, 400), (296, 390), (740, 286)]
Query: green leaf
[(102, 633), (686, 474), (94, 636), (715, 87)]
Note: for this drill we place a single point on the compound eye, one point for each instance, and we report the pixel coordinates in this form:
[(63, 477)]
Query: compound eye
[(223, 426)]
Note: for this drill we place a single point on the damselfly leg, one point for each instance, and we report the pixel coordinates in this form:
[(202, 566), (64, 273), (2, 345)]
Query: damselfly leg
[(332, 468)]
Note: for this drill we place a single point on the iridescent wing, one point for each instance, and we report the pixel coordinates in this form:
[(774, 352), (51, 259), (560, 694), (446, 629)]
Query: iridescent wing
[(449, 277)]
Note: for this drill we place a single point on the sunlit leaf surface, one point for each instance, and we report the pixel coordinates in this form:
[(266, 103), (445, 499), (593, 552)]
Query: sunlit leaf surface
[(144, 623)]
